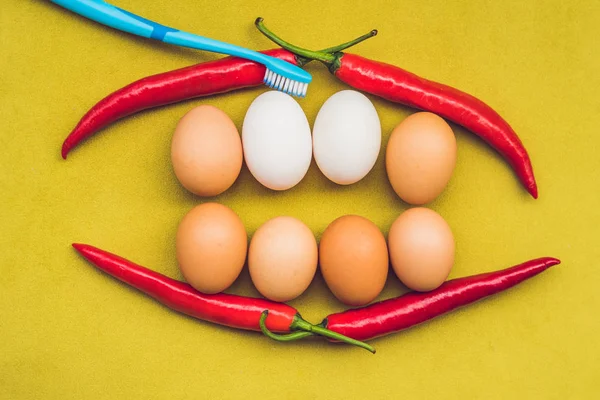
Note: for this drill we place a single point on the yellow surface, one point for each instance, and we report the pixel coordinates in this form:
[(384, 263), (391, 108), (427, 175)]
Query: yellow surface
[(70, 332)]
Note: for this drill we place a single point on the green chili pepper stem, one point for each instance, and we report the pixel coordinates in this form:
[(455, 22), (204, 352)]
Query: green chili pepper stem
[(290, 337), (299, 323), (324, 57), (304, 328), (302, 61), (280, 338), (353, 42)]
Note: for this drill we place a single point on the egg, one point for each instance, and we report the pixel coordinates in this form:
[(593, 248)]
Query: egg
[(206, 151), (346, 137), (282, 258), (420, 157), (421, 248), (211, 247), (354, 259), (276, 140)]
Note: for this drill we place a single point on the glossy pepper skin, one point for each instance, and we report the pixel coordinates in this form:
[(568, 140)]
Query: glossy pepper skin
[(400, 86), (393, 315), (223, 309), (223, 75)]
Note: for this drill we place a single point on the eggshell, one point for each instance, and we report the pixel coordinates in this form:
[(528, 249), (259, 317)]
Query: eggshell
[(421, 249), (276, 140), (206, 151), (211, 247), (354, 259), (420, 157), (346, 137), (282, 258)]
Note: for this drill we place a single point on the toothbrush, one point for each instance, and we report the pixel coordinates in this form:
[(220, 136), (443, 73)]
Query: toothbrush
[(279, 75)]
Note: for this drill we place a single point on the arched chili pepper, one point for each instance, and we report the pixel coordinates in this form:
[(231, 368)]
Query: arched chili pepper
[(393, 315), (223, 309), (400, 86), (223, 75), (220, 76)]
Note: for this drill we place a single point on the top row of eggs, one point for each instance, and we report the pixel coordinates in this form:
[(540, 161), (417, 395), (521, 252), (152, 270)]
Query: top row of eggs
[(277, 146)]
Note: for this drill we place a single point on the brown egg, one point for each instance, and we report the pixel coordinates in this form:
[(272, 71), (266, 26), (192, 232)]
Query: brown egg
[(211, 247), (206, 151), (282, 258), (354, 259), (420, 157), (421, 249)]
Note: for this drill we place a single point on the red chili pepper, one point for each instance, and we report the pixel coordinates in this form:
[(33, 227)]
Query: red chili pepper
[(198, 80), (400, 86), (220, 76), (413, 308), (224, 309)]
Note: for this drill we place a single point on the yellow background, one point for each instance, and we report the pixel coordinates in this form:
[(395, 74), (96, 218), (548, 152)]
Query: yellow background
[(70, 332)]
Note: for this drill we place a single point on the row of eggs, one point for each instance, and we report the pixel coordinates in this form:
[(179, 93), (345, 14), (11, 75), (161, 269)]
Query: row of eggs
[(277, 145), (353, 255)]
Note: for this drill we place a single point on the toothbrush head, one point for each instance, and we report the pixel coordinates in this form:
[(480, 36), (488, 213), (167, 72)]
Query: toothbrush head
[(286, 77)]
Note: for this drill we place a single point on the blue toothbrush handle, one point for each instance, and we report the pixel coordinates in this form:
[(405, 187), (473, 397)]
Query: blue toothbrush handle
[(109, 15), (280, 74)]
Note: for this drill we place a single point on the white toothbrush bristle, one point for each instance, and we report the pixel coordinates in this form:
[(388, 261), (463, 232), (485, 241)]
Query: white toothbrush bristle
[(277, 80), (292, 90), (283, 84), (286, 86), (270, 78)]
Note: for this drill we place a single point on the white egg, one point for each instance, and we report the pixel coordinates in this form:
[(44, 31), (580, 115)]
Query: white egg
[(346, 137), (276, 140)]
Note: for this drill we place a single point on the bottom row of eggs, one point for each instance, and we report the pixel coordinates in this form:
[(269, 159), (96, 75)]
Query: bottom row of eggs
[(353, 255)]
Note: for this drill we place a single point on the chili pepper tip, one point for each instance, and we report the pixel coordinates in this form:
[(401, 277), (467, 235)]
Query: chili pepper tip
[(533, 190), (552, 261), (83, 249)]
